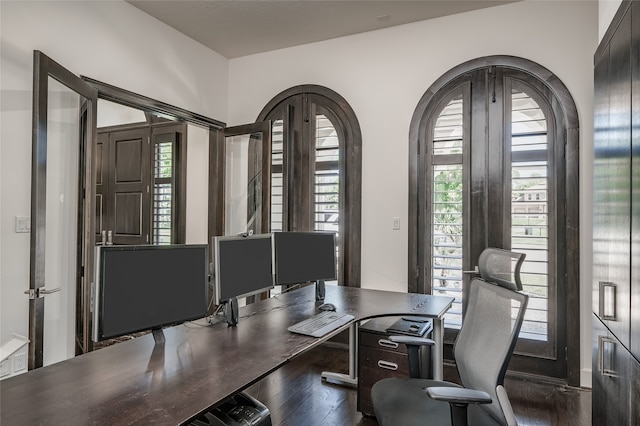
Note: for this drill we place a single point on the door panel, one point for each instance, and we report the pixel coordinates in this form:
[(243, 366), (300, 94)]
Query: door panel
[(123, 187), (247, 169)]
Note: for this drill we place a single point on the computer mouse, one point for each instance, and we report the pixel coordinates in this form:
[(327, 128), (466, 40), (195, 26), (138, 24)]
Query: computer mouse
[(327, 307)]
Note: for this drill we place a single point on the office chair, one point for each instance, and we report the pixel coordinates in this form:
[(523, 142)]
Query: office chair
[(494, 314)]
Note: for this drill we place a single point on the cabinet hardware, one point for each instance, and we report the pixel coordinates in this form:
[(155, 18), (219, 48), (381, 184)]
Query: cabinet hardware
[(387, 343), (606, 370), (388, 365), (607, 300)]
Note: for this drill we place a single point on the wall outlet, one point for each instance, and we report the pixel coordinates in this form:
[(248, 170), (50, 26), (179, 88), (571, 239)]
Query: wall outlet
[(5, 368), (19, 362)]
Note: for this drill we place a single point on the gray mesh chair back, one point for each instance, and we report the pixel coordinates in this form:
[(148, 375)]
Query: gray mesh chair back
[(485, 343), (501, 267), (493, 316)]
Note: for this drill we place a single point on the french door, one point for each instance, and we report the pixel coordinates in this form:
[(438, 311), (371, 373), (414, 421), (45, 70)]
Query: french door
[(491, 173), (64, 123)]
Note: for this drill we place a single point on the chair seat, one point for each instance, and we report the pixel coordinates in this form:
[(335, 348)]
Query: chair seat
[(403, 402)]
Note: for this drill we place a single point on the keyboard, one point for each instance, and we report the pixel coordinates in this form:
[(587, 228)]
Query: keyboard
[(321, 324)]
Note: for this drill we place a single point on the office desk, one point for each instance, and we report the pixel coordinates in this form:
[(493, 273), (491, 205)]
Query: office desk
[(198, 367)]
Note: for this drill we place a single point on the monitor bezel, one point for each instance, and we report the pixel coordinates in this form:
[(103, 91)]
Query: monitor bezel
[(276, 279), (216, 256), (97, 288)]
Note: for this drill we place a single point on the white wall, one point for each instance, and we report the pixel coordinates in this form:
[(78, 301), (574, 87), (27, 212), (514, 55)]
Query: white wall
[(110, 41), (383, 74), (197, 230), (606, 11)]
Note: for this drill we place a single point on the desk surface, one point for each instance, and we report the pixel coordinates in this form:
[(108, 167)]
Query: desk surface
[(198, 367)]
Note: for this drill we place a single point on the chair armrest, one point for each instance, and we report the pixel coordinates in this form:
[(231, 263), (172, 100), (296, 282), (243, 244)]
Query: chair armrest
[(458, 395), (413, 346), (411, 340)]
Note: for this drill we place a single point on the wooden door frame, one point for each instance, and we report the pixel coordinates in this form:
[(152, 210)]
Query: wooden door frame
[(416, 282)]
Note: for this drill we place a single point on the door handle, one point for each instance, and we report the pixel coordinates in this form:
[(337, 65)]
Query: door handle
[(35, 293)]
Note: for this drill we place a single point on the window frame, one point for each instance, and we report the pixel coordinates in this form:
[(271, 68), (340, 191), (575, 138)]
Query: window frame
[(567, 136), (294, 106)]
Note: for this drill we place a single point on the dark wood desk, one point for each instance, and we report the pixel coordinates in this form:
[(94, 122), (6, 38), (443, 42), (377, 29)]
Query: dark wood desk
[(198, 367)]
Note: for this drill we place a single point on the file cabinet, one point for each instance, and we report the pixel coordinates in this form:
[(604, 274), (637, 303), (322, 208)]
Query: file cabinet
[(379, 358)]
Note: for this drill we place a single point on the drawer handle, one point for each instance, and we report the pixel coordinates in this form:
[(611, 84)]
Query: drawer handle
[(387, 344), (388, 365), (606, 369)]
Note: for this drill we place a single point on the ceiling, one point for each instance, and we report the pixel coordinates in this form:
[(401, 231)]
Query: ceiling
[(235, 28)]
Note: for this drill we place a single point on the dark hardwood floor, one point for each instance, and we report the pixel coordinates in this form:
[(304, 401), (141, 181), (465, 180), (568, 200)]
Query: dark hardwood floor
[(296, 396)]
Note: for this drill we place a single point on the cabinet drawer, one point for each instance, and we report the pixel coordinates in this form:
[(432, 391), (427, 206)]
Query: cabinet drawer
[(380, 341), (377, 364)]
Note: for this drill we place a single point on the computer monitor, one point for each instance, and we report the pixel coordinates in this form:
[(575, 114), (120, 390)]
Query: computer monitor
[(304, 257), (148, 287), (243, 267)]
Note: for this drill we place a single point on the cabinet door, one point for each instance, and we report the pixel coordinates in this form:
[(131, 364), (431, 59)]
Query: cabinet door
[(612, 184), (635, 392), (635, 185), (611, 382)]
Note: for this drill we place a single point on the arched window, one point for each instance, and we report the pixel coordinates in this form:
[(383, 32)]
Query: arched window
[(494, 148), (316, 169)]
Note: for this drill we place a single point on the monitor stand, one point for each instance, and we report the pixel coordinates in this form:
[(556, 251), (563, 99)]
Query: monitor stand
[(320, 291), (158, 336), (231, 312)]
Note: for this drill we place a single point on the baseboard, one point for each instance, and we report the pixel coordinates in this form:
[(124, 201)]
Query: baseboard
[(585, 378)]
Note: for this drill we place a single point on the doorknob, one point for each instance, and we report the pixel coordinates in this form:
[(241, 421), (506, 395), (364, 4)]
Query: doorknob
[(40, 291)]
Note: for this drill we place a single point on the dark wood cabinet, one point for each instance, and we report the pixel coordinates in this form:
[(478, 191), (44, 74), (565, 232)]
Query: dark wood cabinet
[(379, 358), (611, 380), (616, 222)]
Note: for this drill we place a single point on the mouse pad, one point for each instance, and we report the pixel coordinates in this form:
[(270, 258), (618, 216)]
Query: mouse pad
[(410, 328)]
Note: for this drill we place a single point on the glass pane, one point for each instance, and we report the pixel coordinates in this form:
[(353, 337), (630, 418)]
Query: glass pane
[(243, 184), (530, 212), (61, 243), (163, 160), (447, 133), (326, 140), (162, 212), (277, 176), (327, 200), (527, 118), (447, 238), (327, 179)]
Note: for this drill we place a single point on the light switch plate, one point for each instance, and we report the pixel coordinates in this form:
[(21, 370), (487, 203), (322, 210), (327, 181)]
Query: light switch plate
[(396, 223), (23, 224)]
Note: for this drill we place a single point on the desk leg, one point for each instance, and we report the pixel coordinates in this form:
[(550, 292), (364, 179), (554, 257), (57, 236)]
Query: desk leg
[(437, 355), (350, 379)]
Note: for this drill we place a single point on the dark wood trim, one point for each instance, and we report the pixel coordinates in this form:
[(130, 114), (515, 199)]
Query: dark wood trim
[(216, 186), (134, 100), (570, 126), (293, 104)]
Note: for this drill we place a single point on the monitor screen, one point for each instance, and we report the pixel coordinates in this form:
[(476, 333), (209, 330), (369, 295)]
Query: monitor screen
[(146, 287), (243, 266), (304, 256)]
